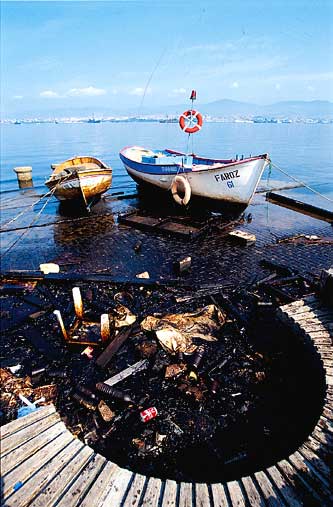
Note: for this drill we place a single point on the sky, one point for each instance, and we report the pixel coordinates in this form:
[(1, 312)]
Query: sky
[(132, 55)]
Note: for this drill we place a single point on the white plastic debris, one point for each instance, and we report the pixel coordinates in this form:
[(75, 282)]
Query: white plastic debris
[(30, 406), (49, 267)]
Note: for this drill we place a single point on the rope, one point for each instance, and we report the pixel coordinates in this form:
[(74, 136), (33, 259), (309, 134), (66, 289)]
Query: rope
[(302, 183), (25, 210), (31, 224)]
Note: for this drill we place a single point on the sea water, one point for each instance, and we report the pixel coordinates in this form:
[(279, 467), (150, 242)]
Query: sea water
[(303, 150)]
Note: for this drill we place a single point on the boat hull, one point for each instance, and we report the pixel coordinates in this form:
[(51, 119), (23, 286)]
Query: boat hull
[(231, 183), (81, 186), (80, 178)]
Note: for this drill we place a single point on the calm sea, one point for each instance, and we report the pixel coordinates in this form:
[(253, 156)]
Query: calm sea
[(303, 150)]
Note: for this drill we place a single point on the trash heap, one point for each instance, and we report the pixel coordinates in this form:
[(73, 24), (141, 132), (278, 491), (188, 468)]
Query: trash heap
[(180, 393)]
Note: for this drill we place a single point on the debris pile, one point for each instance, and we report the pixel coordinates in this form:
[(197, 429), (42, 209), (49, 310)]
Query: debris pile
[(162, 381)]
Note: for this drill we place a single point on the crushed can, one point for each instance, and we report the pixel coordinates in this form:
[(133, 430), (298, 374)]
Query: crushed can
[(148, 414)]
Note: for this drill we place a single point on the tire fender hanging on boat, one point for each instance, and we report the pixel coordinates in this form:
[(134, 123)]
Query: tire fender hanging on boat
[(181, 184), (186, 119)]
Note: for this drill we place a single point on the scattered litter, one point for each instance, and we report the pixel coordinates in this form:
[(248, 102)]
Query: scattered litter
[(183, 265), (17, 485), (49, 268), (89, 352), (29, 408), (145, 274), (15, 369), (175, 370), (242, 237), (148, 414), (131, 370), (105, 411), (175, 332)]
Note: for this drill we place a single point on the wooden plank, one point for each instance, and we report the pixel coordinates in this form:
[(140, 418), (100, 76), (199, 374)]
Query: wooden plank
[(25, 434), (303, 488), (170, 494), (185, 494), (135, 492), (152, 493), (236, 494), (219, 496), (79, 488), (117, 488), (323, 437), (325, 424), (289, 493), (27, 420), (253, 495), (267, 490), (317, 481), (34, 479), (299, 206), (23, 452), (318, 448), (316, 462), (52, 491), (202, 495), (100, 487), (105, 357)]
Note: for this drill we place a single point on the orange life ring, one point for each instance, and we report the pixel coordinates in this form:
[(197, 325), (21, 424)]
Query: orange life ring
[(181, 184), (186, 120)]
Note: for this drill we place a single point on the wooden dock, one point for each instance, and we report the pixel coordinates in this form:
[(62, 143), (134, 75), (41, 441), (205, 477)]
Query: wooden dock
[(43, 464)]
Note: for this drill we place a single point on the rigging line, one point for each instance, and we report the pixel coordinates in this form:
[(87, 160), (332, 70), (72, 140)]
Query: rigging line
[(25, 210), (35, 203), (31, 224), (151, 77), (302, 183)]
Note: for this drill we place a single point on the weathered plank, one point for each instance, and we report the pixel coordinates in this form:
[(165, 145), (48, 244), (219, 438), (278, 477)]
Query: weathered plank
[(253, 495), (236, 494), (303, 488), (49, 495), (29, 467), (219, 496), (24, 451), (135, 491), (202, 495), (288, 492), (185, 494), (83, 483), (27, 420), (117, 488), (35, 482), (170, 494), (317, 481), (267, 490), (18, 439), (152, 493), (100, 487), (316, 462)]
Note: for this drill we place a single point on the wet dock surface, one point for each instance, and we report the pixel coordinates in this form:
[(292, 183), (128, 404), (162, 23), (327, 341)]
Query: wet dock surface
[(99, 243)]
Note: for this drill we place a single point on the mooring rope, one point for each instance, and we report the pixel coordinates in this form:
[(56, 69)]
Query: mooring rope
[(302, 183), (25, 210), (31, 223)]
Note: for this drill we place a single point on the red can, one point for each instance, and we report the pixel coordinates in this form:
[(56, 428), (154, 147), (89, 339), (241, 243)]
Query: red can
[(149, 413)]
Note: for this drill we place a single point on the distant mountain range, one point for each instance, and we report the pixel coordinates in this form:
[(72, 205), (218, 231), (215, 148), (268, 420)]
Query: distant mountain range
[(290, 109), (317, 109)]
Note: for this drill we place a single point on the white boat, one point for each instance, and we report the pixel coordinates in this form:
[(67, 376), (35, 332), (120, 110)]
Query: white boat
[(229, 181)]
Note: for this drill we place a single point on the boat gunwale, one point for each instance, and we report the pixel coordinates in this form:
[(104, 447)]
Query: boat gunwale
[(224, 164)]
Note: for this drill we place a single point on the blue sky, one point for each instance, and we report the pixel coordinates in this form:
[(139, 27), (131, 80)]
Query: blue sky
[(68, 55)]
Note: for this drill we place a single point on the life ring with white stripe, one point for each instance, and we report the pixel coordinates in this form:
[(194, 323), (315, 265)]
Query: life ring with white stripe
[(181, 184), (189, 118)]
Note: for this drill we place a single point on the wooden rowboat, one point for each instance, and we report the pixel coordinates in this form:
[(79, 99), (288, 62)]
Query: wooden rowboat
[(80, 178)]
